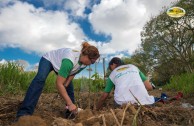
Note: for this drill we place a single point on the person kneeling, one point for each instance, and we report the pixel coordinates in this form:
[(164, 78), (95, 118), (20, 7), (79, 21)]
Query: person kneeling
[(130, 83)]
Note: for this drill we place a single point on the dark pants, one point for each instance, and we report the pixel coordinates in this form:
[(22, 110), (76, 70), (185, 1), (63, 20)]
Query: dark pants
[(116, 105), (35, 89)]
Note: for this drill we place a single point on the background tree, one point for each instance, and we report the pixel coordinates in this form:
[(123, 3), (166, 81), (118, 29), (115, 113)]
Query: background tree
[(168, 43)]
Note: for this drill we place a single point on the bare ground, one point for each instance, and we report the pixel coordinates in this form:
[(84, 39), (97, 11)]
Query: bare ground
[(50, 109)]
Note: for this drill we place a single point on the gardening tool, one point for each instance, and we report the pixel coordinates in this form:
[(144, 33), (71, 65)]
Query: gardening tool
[(71, 115)]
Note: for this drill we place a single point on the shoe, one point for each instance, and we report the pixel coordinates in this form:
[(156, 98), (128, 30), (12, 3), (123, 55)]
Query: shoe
[(164, 97)]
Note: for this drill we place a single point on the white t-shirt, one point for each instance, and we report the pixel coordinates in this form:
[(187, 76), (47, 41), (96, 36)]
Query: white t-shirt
[(56, 57), (126, 78)]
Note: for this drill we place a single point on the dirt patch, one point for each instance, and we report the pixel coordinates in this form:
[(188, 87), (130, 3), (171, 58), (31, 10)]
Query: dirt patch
[(50, 110), (30, 121)]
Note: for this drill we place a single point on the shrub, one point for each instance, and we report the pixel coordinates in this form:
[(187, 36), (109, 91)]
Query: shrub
[(183, 83)]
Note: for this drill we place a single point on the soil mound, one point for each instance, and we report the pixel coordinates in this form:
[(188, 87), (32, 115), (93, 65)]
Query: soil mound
[(30, 121), (50, 112)]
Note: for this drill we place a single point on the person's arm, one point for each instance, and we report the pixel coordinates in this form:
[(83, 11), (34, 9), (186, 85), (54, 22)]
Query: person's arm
[(148, 85), (68, 80), (101, 100), (108, 88), (60, 87), (146, 82), (62, 78)]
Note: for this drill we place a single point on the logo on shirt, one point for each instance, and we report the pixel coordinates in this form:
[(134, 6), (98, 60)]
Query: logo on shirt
[(121, 69), (75, 50)]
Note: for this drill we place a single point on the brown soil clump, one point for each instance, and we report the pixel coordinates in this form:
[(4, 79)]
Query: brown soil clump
[(30, 121)]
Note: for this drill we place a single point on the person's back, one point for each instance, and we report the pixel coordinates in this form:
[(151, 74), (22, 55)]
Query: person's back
[(127, 80)]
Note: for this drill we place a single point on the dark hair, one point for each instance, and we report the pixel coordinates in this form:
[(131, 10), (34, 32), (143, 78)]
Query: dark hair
[(116, 61), (90, 50)]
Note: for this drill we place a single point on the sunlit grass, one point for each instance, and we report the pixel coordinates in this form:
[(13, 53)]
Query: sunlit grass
[(14, 80)]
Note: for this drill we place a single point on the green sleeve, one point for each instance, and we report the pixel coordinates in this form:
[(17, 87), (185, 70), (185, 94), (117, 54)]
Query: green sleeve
[(143, 77), (66, 67), (109, 85)]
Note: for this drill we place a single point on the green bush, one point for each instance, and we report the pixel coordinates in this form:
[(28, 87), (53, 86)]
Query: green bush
[(183, 83)]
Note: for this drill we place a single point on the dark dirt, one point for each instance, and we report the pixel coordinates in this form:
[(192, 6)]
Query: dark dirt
[(50, 109)]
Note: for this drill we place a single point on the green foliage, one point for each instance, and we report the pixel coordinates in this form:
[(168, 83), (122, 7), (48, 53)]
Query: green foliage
[(81, 84), (97, 83), (183, 83), (50, 85), (14, 80), (167, 44)]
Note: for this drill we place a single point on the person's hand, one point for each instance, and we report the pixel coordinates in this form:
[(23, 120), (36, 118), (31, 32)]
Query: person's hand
[(72, 108)]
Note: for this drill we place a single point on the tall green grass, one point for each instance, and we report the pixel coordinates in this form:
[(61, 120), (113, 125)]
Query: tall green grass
[(183, 83), (81, 84), (16, 81), (50, 84), (12, 79)]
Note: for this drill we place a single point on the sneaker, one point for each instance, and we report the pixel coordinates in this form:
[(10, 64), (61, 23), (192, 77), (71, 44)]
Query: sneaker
[(164, 97)]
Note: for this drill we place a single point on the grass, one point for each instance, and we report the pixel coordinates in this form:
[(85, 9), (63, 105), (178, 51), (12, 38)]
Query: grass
[(50, 85), (14, 80), (183, 83)]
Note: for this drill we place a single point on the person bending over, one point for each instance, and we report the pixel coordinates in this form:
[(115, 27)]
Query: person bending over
[(66, 63)]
